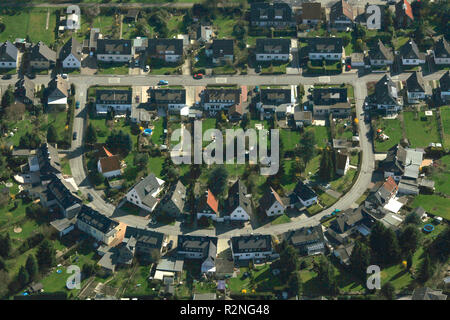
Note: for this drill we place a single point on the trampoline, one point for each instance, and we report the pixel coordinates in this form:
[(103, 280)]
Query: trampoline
[(148, 132), (428, 228)]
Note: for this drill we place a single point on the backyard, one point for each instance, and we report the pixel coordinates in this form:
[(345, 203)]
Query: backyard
[(420, 129), (445, 116), (390, 127)]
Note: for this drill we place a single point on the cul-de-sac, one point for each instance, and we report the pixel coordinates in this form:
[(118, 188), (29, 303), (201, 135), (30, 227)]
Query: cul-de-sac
[(100, 99)]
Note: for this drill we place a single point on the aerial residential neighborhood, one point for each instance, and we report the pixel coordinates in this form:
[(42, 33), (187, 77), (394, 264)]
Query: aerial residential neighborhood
[(118, 126)]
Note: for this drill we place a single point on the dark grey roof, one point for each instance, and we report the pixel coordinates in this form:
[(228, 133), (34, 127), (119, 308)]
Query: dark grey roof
[(395, 160), (70, 47), (221, 94), (444, 82), (205, 245), (63, 194), (341, 10), (329, 96), (145, 238), (273, 46), (58, 88), (40, 51), (48, 159), (311, 11), (259, 10), (428, 294), (251, 243), (237, 196), (167, 96), (145, 188), (275, 97), (325, 45), (381, 52), (268, 199), (415, 82), (112, 46), (8, 52), (222, 47), (302, 115), (96, 220), (113, 96), (165, 46), (176, 195), (410, 51), (386, 91), (304, 192), (442, 49), (347, 220), (304, 236)]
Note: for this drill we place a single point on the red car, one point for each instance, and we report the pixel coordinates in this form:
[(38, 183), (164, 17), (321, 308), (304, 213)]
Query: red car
[(198, 76)]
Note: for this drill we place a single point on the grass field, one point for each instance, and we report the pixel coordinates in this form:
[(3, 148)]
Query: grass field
[(289, 139), (433, 204), (322, 135), (392, 128), (445, 115), (441, 175), (421, 130), (281, 219), (343, 183)]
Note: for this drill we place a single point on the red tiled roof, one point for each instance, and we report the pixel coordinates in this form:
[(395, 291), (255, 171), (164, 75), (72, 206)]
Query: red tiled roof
[(212, 202), (390, 185), (277, 196), (109, 154), (408, 9), (109, 164)]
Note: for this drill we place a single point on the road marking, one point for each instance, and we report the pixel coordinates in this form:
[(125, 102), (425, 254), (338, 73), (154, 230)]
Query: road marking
[(325, 79), (114, 80), (221, 80)]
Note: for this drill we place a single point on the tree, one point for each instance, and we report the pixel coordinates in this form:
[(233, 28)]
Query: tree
[(141, 160), (31, 266), (52, 134), (91, 134), (288, 261), (426, 269), (412, 218), (294, 284), (384, 244), (119, 141), (326, 276), (23, 276), (388, 291), (5, 245), (218, 180), (45, 255), (2, 264), (8, 97), (409, 239), (360, 259), (307, 146), (326, 169)]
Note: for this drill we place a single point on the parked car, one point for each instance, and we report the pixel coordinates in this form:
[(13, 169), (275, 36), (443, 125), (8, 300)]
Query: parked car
[(90, 197), (77, 105), (147, 68), (170, 245), (74, 136), (64, 75), (163, 82), (6, 77), (348, 67), (198, 76)]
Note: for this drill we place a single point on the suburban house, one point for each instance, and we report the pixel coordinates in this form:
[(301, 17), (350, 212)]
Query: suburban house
[(342, 163), (62, 194), (236, 112), (311, 13), (63, 226), (386, 96), (109, 167), (70, 54), (116, 256), (273, 49), (41, 56), (305, 194), (144, 243), (199, 247), (220, 98), (251, 247), (441, 52), (331, 100), (380, 55), (278, 15), (208, 206), (131, 16), (403, 14), (426, 293), (402, 162), (204, 33), (118, 101), (308, 240), (239, 205), (330, 49), (415, 87), (302, 118), (384, 193), (45, 161), (351, 221), (220, 51), (272, 204), (169, 50), (144, 193), (341, 15), (98, 226), (25, 91), (410, 55), (171, 99), (174, 200), (275, 101), (140, 45), (112, 50), (57, 94), (344, 252), (91, 44), (444, 85), (8, 55)]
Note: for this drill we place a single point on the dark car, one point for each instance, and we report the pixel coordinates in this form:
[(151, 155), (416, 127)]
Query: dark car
[(77, 105), (90, 197), (32, 76), (170, 245), (6, 77), (74, 136)]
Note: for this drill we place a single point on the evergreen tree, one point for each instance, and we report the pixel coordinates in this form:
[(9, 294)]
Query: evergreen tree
[(217, 181), (91, 134), (2, 264), (23, 276), (307, 146), (326, 169), (409, 239), (5, 245), (288, 261), (45, 255), (426, 269), (294, 284), (360, 260), (31, 266), (388, 291), (52, 134)]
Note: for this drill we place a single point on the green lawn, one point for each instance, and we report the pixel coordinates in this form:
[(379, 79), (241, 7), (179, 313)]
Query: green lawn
[(263, 281), (421, 131), (445, 116), (392, 128), (343, 183), (281, 219), (441, 175), (326, 200), (289, 138), (433, 204), (158, 131), (112, 68), (322, 135)]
